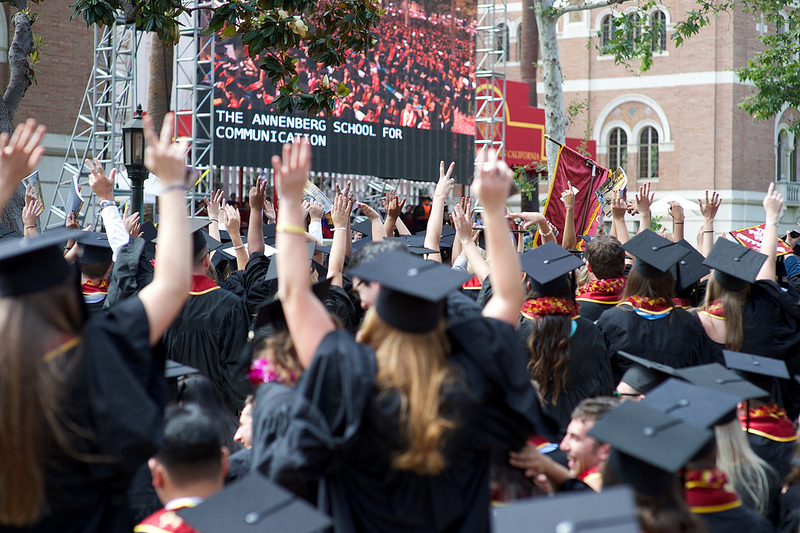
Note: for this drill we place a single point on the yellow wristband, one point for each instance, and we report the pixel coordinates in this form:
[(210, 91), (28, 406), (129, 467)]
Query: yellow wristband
[(290, 228)]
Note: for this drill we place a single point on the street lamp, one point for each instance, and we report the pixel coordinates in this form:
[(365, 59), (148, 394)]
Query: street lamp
[(133, 156)]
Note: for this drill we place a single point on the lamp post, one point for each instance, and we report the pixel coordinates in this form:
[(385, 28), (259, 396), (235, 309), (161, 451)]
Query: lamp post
[(133, 155)]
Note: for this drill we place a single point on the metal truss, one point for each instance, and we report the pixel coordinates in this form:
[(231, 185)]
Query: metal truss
[(107, 103), (491, 54)]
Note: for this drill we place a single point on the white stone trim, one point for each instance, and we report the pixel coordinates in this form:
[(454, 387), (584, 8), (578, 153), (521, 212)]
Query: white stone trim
[(663, 81), (664, 132), (602, 143)]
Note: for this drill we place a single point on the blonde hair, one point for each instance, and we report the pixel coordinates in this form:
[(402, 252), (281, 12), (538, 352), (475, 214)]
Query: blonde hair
[(415, 366), (745, 470), (732, 302)]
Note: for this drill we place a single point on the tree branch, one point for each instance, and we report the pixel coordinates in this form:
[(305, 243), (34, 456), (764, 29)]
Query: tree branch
[(20, 49), (587, 6), (127, 8)]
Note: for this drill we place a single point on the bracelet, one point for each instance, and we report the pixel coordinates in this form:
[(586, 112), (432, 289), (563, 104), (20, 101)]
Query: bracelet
[(68, 248), (545, 234), (340, 228), (290, 228), (239, 247), (214, 220), (439, 196), (676, 223), (708, 231), (30, 227), (772, 224), (174, 187)]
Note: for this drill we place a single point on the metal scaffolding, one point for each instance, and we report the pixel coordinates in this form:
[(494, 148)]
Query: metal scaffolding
[(194, 98), (491, 54), (107, 104)]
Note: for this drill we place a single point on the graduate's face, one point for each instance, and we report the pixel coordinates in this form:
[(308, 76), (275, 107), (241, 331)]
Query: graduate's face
[(244, 435), (367, 292), (583, 451)]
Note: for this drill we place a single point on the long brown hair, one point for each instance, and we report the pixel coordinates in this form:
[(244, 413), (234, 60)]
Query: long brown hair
[(414, 365), (279, 349), (732, 302), (31, 391), (660, 288)]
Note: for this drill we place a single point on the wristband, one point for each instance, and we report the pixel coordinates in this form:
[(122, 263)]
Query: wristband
[(106, 203), (676, 223), (708, 231), (439, 196), (239, 247), (290, 228), (30, 227), (772, 224), (174, 187), (214, 220), (339, 228)]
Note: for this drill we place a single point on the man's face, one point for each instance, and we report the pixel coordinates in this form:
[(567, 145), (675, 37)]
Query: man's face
[(583, 451), (244, 435), (367, 292)]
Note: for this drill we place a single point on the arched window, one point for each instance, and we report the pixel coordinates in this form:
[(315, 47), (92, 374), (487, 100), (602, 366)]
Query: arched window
[(659, 22), (648, 154), (501, 40), (783, 153), (618, 149), (636, 21), (607, 29)]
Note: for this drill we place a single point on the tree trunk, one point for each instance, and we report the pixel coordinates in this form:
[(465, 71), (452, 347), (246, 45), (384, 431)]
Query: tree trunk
[(160, 83), (555, 119), (529, 51)]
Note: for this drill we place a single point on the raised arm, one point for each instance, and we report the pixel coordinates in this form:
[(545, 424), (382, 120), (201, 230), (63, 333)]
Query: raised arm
[(492, 184), (433, 231), (394, 208), (255, 227), (569, 240), (709, 210), (19, 156), (531, 218), (214, 206), (618, 210), (30, 213), (643, 201), (233, 221), (773, 204), (342, 205), (463, 227), (676, 212), (378, 230), (306, 316), (164, 297), (102, 185)]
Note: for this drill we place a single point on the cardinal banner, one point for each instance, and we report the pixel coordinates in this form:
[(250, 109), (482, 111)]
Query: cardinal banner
[(586, 177), (751, 237)]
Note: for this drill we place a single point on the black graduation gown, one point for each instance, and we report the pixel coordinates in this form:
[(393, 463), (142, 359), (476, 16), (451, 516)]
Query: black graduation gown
[(210, 334), (117, 393), (131, 272), (790, 510), (588, 372), (343, 430), (677, 339), (593, 310), (738, 519), (777, 454)]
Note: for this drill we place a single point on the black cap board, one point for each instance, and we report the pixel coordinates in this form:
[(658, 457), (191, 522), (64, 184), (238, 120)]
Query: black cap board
[(174, 369), (659, 439), (690, 268), (414, 243), (212, 243), (95, 248), (271, 313), (149, 231), (643, 379), (652, 365), (654, 254), (717, 377), (735, 266), (272, 269), (364, 227), (34, 264), (610, 511), (412, 289), (696, 405), (254, 504), (547, 267), (756, 364)]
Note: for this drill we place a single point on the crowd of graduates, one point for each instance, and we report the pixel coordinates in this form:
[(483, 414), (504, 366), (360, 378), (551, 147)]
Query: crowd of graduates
[(186, 377)]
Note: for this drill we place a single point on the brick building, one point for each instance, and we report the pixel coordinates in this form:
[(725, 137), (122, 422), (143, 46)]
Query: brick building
[(677, 125)]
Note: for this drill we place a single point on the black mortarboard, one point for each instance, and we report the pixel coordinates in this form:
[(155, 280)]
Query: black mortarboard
[(174, 369), (446, 238), (95, 248), (360, 243), (653, 438), (654, 254), (697, 405), (412, 289), (199, 242), (149, 231), (759, 370), (690, 268), (547, 267), (364, 227), (272, 269), (666, 370), (414, 243), (717, 377), (735, 266), (271, 313), (211, 242), (34, 264), (611, 511), (269, 232), (254, 504), (643, 379), (586, 238)]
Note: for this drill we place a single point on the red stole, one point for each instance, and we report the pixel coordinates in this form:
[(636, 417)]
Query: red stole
[(708, 491), (472, 284), (202, 285), (590, 474), (163, 521), (602, 291), (769, 421), (91, 288)]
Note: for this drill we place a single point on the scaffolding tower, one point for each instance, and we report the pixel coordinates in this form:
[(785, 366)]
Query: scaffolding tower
[(490, 75), (107, 103)]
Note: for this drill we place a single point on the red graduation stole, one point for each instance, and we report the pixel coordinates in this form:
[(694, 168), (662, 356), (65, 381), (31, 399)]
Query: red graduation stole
[(202, 285), (164, 521), (91, 288), (602, 291), (686, 303), (548, 305), (472, 284), (708, 491), (769, 421), (590, 473)]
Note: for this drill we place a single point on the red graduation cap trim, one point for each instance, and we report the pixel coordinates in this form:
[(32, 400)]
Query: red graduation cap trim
[(771, 422)]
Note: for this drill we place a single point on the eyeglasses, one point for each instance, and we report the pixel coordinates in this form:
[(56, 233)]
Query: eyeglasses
[(619, 394), (361, 283)]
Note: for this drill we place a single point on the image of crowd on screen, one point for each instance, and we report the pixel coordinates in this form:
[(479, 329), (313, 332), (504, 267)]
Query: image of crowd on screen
[(420, 75)]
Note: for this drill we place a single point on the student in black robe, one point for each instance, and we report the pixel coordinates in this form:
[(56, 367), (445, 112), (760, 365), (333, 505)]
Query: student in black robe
[(648, 323), (429, 470), (605, 260), (95, 262), (82, 402), (566, 353)]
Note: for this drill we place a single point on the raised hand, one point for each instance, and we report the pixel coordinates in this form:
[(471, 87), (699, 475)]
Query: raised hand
[(529, 218), (710, 206), (315, 210), (162, 157), (368, 211), (445, 184), (568, 196), (618, 205), (644, 198), (30, 213), (466, 206), (459, 220), (258, 194), (269, 210), (393, 205), (132, 223), (102, 185), (773, 203), (492, 182), (233, 220), (342, 206), (214, 205), (675, 211), (19, 156)]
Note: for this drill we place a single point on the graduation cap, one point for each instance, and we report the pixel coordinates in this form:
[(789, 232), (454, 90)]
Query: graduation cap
[(199, 242), (735, 266), (34, 264), (586, 238), (149, 231), (758, 370), (717, 377), (610, 511), (272, 269), (700, 406), (414, 243), (690, 268), (269, 232), (643, 379), (271, 313), (174, 369), (364, 227), (254, 504), (648, 446), (547, 266), (446, 238), (412, 289), (650, 365), (95, 248), (654, 254)]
